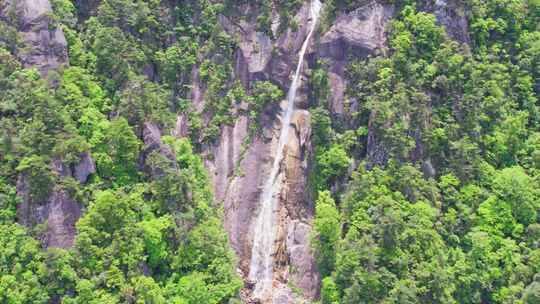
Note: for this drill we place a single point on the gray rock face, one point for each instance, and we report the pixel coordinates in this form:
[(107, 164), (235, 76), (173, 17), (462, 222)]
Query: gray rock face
[(59, 211), (84, 168), (62, 213), (181, 126), (451, 14), (46, 46), (80, 171), (303, 266), (153, 143), (360, 33)]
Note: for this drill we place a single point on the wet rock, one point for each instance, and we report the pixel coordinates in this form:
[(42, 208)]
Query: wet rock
[(241, 199), (291, 40), (227, 155)]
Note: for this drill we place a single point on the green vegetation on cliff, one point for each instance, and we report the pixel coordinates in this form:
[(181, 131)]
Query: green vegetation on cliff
[(444, 204), (146, 235)]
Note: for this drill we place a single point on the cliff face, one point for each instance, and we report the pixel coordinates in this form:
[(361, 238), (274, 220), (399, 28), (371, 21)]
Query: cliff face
[(239, 163), (45, 46), (242, 164), (59, 211)]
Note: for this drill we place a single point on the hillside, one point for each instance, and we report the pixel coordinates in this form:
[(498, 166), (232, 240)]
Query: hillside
[(269, 151)]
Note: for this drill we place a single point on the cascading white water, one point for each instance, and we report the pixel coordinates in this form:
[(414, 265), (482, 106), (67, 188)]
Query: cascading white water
[(261, 266)]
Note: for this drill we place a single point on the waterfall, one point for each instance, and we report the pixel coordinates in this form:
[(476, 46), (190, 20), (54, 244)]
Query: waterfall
[(262, 262)]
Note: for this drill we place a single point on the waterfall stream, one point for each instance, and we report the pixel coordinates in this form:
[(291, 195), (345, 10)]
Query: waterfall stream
[(262, 262)]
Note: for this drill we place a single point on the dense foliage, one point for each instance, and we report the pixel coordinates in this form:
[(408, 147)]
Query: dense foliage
[(150, 231), (427, 189), (444, 205)]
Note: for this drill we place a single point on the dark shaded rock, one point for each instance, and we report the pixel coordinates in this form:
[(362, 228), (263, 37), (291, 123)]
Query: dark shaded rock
[(80, 171), (377, 153), (84, 168), (451, 15), (153, 143), (87, 8)]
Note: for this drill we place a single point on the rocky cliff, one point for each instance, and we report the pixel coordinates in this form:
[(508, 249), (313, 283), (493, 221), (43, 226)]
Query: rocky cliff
[(239, 169), (45, 45), (239, 162), (239, 175)]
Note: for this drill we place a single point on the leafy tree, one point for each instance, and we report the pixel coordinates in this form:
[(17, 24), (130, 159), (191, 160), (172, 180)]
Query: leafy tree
[(117, 154), (327, 231)]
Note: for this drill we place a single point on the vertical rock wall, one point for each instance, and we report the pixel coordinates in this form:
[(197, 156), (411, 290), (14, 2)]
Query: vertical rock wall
[(45, 44)]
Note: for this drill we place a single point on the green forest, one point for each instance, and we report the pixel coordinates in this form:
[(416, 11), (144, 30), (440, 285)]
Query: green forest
[(447, 210)]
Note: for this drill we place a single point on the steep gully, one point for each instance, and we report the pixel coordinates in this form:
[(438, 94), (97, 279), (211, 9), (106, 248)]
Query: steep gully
[(262, 262)]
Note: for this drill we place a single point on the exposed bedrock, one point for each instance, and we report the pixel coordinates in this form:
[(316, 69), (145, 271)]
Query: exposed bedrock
[(45, 44), (451, 15), (58, 212), (239, 165), (358, 34)]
